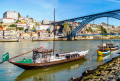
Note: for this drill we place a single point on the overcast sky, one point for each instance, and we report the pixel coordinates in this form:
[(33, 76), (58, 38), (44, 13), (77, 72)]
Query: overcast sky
[(65, 9)]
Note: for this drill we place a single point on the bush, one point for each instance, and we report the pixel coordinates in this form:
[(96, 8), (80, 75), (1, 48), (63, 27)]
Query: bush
[(33, 28), (12, 25), (19, 28)]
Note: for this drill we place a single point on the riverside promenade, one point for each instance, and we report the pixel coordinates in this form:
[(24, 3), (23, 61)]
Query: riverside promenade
[(109, 71)]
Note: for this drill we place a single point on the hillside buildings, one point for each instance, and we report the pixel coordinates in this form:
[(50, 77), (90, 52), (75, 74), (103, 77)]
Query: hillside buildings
[(26, 20)]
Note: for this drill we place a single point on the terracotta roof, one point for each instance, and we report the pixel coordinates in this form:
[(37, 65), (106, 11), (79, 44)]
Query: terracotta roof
[(7, 18)]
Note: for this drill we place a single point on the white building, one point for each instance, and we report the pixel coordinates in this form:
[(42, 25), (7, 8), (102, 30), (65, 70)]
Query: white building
[(7, 20), (9, 14), (23, 25), (45, 22), (43, 27), (30, 25)]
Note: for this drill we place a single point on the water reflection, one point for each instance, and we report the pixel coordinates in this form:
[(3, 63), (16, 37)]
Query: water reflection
[(102, 58), (48, 74)]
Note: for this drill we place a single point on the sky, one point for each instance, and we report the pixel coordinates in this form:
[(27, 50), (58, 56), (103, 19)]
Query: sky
[(65, 9)]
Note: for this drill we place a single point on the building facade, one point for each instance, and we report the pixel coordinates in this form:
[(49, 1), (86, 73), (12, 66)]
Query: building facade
[(7, 20), (23, 25), (9, 14), (43, 27), (45, 22)]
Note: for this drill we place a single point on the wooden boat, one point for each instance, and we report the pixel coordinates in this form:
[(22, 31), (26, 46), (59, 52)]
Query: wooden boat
[(112, 47), (28, 74), (103, 50), (42, 58)]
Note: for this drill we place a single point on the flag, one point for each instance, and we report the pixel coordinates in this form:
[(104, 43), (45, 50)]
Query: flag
[(5, 57)]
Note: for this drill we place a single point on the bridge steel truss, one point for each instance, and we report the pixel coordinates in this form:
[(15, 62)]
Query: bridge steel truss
[(89, 18)]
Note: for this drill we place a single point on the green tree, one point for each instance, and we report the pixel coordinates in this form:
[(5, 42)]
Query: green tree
[(33, 28), (103, 30), (19, 28), (27, 16), (89, 29), (13, 25), (19, 15), (1, 23), (37, 24), (67, 28)]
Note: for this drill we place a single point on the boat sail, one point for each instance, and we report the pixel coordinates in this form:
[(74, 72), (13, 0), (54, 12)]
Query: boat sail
[(43, 58)]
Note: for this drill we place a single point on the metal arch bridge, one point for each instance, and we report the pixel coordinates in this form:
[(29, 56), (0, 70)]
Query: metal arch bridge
[(89, 18)]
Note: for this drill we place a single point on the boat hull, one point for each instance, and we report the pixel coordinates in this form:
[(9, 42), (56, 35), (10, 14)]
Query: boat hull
[(29, 66), (100, 53), (114, 48)]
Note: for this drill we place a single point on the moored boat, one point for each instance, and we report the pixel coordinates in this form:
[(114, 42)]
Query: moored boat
[(103, 50), (112, 47), (43, 58)]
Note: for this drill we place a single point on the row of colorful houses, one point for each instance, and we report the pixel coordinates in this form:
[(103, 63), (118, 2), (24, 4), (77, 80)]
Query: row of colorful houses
[(18, 34)]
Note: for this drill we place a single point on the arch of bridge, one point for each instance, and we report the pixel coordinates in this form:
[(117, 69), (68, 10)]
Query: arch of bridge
[(91, 18)]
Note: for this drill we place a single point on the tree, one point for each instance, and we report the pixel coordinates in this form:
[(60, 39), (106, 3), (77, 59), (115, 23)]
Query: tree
[(37, 24), (103, 30), (27, 16), (19, 15), (67, 28), (89, 29), (12, 25), (33, 28), (1, 23), (19, 28)]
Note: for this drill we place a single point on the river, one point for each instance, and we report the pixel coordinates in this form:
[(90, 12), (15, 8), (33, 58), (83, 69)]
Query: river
[(9, 72)]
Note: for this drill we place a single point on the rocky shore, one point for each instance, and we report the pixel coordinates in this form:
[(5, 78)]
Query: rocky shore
[(109, 71)]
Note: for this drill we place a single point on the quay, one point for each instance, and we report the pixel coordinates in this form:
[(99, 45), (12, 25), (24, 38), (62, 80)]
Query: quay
[(109, 71), (9, 40), (46, 39)]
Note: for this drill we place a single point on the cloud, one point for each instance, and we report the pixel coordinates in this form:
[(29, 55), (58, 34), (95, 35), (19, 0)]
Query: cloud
[(114, 1)]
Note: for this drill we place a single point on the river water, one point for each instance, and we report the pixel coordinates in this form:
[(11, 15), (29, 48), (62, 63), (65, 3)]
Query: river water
[(9, 72)]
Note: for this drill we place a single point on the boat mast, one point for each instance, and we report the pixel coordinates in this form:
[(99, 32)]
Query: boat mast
[(54, 33), (102, 35), (107, 28)]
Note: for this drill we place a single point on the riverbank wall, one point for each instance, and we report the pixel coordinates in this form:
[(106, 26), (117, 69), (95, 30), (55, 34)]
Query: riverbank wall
[(109, 71), (51, 39)]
